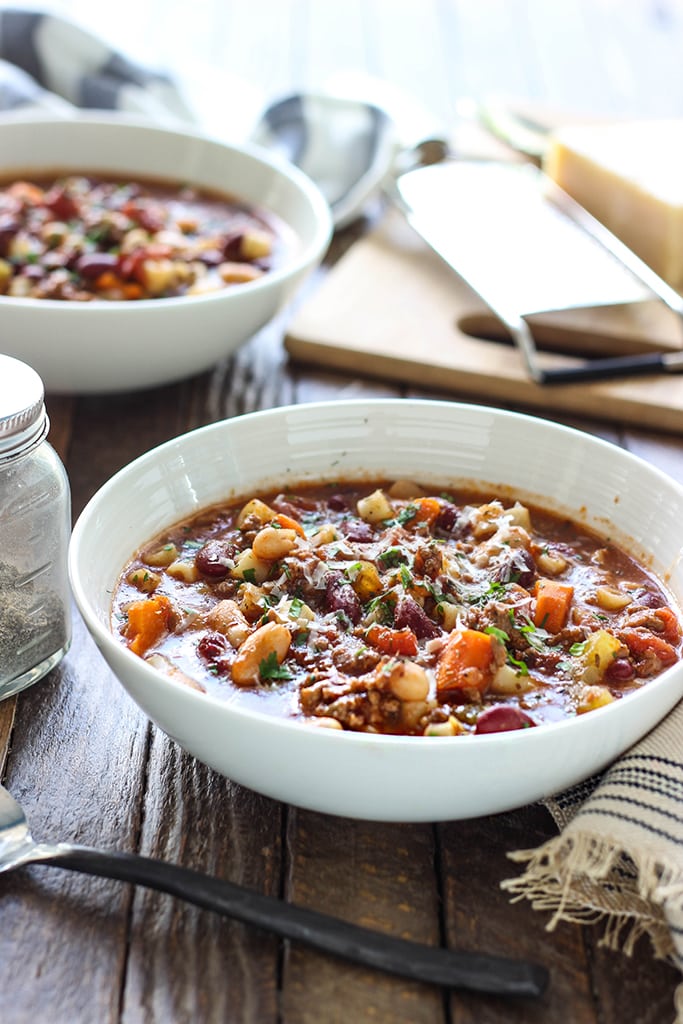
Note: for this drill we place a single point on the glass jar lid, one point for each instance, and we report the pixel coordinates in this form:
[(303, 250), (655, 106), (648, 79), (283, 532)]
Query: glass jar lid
[(23, 419)]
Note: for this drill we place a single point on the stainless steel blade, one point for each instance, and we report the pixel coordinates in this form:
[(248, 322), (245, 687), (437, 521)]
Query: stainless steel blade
[(522, 254)]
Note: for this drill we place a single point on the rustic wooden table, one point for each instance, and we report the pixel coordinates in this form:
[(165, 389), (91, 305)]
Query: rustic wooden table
[(89, 767)]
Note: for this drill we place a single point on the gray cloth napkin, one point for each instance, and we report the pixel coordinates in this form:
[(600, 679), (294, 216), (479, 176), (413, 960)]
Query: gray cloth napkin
[(49, 63)]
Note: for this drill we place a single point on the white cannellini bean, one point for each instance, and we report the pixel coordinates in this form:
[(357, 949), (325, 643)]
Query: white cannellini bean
[(409, 681), (271, 544), (271, 638)]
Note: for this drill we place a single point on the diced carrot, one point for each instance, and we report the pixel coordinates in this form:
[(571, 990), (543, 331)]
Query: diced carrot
[(287, 523), (27, 192), (392, 641), (428, 510), (641, 643), (132, 290), (466, 662), (553, 601), (107, 280), (148, 620), (672, 626)]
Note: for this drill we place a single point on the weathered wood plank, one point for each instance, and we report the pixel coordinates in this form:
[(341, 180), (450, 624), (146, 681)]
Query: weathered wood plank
[(380, 876)]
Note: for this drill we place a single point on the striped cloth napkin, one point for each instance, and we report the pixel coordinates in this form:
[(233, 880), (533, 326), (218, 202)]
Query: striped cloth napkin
[(618, 859)]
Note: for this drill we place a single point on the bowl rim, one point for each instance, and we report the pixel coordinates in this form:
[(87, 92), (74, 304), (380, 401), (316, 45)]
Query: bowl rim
[(306, 187), (105, 637)]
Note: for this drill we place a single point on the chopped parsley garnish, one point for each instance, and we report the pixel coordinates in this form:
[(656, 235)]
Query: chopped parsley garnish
[(578, 648), (295, 608), (520, 665), (249, 575), (406, 577), (499, 634), (393, 556), (270, 668), (406, 514)]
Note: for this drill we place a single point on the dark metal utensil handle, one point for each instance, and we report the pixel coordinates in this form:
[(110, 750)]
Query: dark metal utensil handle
[(475, 971)]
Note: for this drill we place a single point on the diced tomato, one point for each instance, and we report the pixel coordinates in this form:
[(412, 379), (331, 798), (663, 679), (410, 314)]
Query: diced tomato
[(672, 627), (392, 641), (642, 643), (466, 662)]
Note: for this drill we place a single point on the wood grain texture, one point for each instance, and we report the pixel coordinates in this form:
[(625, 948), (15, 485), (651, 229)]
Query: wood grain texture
[(87, 764), (391, 309)]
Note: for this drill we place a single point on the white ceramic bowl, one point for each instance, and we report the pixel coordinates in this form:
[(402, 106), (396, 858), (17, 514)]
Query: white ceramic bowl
[(370, 776), (104, 346)]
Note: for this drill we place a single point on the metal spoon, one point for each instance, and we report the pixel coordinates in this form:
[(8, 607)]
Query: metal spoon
[(474, 971)]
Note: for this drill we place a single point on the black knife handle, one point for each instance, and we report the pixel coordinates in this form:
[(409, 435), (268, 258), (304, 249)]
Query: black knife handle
[(603, 369)]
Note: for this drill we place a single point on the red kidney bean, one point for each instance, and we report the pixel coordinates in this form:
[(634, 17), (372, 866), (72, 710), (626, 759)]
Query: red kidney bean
[(357, 531), (503, 718), (91, 264), (341, 597), (410, 614), (516, 565), (449, 519), (211, 646), (61, 203), (619, 671), (232, 249), (338, 502), (9, 226), (216, 558)]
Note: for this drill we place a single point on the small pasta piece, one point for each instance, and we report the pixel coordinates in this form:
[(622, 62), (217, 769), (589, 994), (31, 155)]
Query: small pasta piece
[(519, 515), (227, 618), (162, 556), (257, 508), (507, 680), (448, 613), (592, 697), (185, 571), (551, 564), (375, 508), (451, 727), (405, 490), (250, 568), (365, 580), (327, 534), (251, 601), (611, 599), (173, 672), (255, 244), (144, 580)]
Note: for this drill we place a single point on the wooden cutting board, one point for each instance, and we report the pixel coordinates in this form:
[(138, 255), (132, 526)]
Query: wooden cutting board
[(392, 309)]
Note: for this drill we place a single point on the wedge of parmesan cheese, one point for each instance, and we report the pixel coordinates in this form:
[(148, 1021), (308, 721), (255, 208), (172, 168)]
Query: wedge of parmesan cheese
[(629, 176)]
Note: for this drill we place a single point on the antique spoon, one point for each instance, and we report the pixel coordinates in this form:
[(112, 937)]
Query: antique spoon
[(474, 971)]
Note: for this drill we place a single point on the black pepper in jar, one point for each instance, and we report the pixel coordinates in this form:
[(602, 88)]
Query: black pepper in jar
[(35, 511)]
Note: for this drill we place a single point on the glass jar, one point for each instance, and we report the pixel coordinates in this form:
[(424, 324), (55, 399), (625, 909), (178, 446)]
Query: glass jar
[(35, 524)]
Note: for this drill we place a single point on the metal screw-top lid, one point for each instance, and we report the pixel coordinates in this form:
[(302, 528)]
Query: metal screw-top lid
[(23, 420)]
